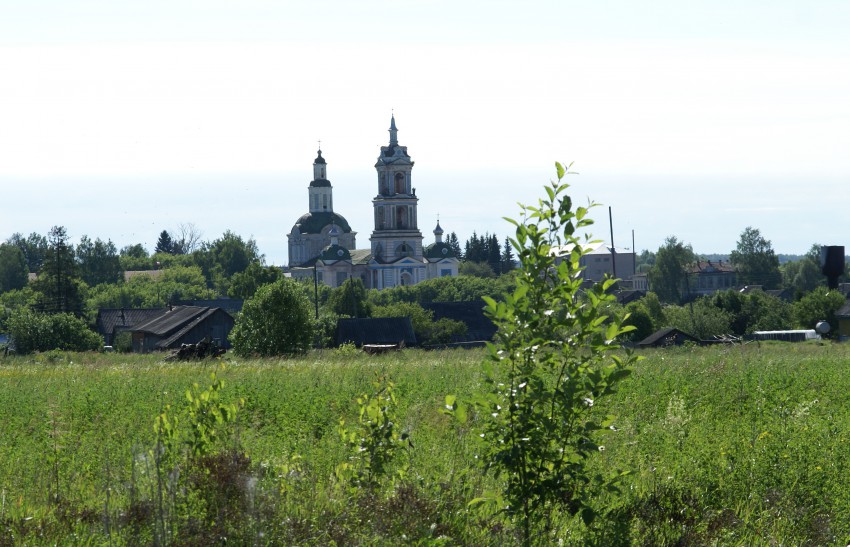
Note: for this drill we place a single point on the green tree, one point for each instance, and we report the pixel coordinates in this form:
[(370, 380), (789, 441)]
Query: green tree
[(476, 269), (804, 275), (245, 284), (34, 248), (819, 305), (755, 261), (58, 282), (224, 257), (507, 260), (98, 261), (700, 318), (134, 258), (276, 321), (454, 244), (427, 331), (32, 331), (14, 273), (165, 244), (350, 299), (668, 277), (554, 356)]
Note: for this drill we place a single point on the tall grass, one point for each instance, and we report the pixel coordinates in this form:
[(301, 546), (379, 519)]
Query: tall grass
[(728, 445)]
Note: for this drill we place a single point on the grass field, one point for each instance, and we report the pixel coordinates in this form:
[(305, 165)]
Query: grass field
[(732, 445)]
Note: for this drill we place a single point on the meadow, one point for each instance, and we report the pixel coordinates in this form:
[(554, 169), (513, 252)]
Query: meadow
[(726, 445)]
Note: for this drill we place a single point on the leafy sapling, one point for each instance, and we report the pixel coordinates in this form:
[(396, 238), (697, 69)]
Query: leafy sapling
[(555, 354)]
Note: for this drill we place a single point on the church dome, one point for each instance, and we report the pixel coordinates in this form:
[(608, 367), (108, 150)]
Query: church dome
[(314, 223), (335, 252), (438, 251)]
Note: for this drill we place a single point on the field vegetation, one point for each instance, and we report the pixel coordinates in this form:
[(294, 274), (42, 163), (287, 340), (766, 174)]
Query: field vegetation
[(728, 445)]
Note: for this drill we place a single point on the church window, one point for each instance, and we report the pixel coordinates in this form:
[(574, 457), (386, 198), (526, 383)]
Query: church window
[(324, 201), (399, 183), (401, 217), (404, 250)]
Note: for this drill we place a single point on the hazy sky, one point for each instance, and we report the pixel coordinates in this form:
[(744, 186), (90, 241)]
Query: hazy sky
[(696, 119)]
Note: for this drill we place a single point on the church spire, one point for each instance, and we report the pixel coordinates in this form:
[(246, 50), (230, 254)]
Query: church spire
[(393, 131)]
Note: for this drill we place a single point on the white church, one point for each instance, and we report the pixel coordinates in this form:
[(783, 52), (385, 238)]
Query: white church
[(322, 243)]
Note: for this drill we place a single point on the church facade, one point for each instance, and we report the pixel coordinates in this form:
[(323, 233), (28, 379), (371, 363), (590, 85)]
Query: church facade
[(321, 242)]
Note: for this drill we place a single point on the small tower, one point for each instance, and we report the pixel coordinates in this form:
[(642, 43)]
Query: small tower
[(320, 190), (311, 232)]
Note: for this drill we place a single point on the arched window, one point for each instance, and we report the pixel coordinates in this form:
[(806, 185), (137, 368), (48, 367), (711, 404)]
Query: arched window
[(401, 217), (400, 183), (404, 250), (406, 278)]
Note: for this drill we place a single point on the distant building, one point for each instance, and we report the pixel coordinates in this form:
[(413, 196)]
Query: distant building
[(601, 260), (708, 277), (322, 244)]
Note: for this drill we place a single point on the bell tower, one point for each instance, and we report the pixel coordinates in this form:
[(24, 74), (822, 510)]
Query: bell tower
[(396, 234)]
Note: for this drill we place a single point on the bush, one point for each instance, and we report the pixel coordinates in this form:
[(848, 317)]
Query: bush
[(32, 331), (276, 321)]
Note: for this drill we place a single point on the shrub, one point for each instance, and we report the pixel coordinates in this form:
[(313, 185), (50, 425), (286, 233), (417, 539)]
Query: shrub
[(554, 355), (32, 331), (276, 321)]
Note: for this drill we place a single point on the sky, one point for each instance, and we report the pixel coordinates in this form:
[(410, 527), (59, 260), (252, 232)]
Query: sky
[(695, 119)]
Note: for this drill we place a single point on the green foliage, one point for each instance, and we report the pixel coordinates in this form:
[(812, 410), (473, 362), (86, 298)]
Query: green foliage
[(34, 248), (208, 416), (725, 443), (276, 321), (554, 357), (446, 289), (753, 311), (14, 274), (59, 285), (374, 442), (470, 268), (819, 305), (700, 318), (668, 275), (245, 284), (427, 331), (755, 261), (32, 331), (98, 261), (350, 299), (224, 257), (144, 291)]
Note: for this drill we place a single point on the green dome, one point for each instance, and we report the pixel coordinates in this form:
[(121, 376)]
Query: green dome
[(335, 252), (438, 250), (314, 223)]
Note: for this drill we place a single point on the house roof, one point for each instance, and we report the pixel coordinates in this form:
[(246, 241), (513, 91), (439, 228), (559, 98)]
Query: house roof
[(361, 256), (172, 320), (438, 251), (478, 326), (844, 311), (376, 330), (711, 266), (108, 319), (659, 335), (153, 274)]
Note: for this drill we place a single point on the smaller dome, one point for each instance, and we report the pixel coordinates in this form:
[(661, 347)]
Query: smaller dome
[(332, 253), (438, 251), (319, 158), (438, 231)]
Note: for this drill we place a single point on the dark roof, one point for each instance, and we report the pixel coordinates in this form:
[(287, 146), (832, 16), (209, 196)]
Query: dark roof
[(313, 223), (844, 311), (438, 250), (108, 319), (230, 305), (376, 330), (320, 183), (479, 326), (335, 252), (662, 336), (319, 158), (711, 266), (174, 340), (626, 296), (172, 320)]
